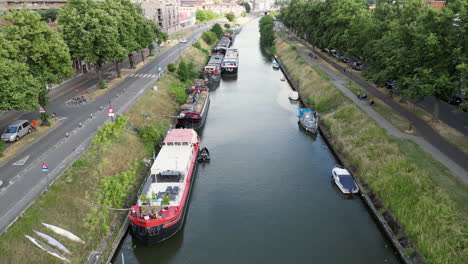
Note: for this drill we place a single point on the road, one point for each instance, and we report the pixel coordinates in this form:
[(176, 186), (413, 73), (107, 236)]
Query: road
[(21, 184)]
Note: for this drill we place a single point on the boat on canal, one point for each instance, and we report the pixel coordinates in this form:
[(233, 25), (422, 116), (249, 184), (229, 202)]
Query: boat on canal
[(230, 35), (195, 109), (309, 119), (276, 65), (344, 180), (230, 64), (212, 70), (162, 205), (221, 46), (293, 95)]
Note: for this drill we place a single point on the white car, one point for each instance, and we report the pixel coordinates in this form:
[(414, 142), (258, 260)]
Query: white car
[(183, 41)]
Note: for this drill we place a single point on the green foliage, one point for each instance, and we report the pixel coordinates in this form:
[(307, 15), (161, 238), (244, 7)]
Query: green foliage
[(151, 135), (177, 90), (45, 119), (209, 37), (166, 199), (227, 25), (422, 48), (102, 85), (36, 56), (198, 46), (205, 15), (110, 131), (48, 15), (115, 188), (267, 35), (246, 5), (218, 30), (2, 148), (230, 16), (243, 14), (171, 67)]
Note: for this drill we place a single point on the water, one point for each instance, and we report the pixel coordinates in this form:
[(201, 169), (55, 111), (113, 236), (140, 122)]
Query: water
[(266, 196)]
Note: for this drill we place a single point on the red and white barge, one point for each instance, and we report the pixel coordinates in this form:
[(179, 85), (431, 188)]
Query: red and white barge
[(163, 201)]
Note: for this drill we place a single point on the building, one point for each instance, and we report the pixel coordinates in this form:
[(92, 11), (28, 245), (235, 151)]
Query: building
[(31, 4), (224, 8), (165, 13), (187, 15), (262, 5)]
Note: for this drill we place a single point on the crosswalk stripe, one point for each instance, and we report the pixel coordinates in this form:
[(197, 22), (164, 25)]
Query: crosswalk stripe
[(131, 75), (146, 75)]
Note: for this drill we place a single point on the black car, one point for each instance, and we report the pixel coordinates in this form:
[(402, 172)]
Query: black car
[(343, 59), (455, 100), (390, 84), (357, 66)]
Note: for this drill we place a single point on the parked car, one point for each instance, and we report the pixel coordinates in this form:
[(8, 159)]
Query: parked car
[(357, 65), (333, 52), (343, 59), (183, 41), (455, 100), (390, 84), (16, 130)]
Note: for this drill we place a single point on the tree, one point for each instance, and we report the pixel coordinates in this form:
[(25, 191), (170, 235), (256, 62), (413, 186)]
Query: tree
[(267, 35), (246, 5), (32, 42), (48, 15), (218, 30), (205, 15), (182, 71), (90, 32), (230, 16), (209, 37), (19, 89)]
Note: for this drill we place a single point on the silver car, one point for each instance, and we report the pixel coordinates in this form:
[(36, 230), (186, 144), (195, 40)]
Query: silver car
[(16, 130)]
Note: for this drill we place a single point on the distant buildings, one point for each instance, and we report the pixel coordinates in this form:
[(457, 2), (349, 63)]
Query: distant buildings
[(224, 8), (165, 13), (31, 4)]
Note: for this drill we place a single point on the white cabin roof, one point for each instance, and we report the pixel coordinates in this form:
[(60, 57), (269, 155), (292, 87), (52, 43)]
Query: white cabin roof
[(173, 158)]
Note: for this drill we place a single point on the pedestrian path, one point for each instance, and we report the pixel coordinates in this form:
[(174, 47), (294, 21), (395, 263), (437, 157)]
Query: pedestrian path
[(151, 76), (340, 81)]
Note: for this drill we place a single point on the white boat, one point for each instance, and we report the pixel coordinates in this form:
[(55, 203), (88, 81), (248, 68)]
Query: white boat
[(344, 180), (309, 119), (294, 95)]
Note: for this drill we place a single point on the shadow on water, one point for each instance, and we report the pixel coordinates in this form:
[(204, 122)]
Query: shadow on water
[(312, 136), (229, 78)]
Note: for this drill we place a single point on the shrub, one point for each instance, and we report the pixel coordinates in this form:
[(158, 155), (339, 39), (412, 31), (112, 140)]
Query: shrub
[(177, 90), (171, 67), (205, 15), (230, 16), (218, 30), (197, 45), (243, 14), (2, 148), (209, 37), (102, 85), (151, 135), (227, 25), (110, 131)]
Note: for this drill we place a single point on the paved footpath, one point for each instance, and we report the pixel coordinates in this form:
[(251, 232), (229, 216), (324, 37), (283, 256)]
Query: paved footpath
[(340, 81)]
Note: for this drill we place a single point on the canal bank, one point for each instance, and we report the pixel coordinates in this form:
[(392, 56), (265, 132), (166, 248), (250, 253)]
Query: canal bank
[(266, 196), (400, 188)]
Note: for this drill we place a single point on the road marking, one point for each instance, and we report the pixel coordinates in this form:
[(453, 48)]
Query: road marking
[(2, 191), (21, 162), (146, 75), (1, 183), (131, 75)]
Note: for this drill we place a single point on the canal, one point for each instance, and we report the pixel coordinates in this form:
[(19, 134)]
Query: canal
[(266, 196)]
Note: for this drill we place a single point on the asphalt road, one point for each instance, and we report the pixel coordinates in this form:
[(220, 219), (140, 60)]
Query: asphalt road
[(21, 184)]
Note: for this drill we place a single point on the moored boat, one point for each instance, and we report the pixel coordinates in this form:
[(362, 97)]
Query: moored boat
[(222, 46), (163, 202), (195, 109), (344, 180), (230, 64), (230, 35), (293, 95), (309, 119), (212, 70), (276, 65)]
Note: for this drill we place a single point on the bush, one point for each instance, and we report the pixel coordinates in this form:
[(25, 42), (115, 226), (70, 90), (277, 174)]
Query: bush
[(243, 14), (102, 84), (230, 16), (247, 6), (227, 25), (197, 45), (218, 30), (177, 90), (209, 37), (150, 135), (110, 131), (2, 148), (205, 15), (171, 67)]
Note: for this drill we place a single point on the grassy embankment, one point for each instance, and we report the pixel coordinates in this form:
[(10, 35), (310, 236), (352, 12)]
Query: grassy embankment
[(108, 174), (428, 203)]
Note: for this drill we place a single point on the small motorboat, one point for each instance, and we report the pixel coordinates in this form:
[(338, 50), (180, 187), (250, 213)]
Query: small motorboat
[(276, 65), (204, 155), (309, 119), (344, 180), (293, 95), (283, 79)]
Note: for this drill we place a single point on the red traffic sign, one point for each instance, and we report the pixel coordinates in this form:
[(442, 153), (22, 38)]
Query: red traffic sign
[(44, 167), (110, 111)]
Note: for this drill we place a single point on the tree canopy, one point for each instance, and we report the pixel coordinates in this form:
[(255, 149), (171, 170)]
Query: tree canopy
[(218, 30), (205, 15), (36, 52), (230, 16), (267, 35), (246, 5), (424, 49)]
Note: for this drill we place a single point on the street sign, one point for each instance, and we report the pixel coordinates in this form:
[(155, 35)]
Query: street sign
[(41, 110), (44, 167), (110, 111)]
